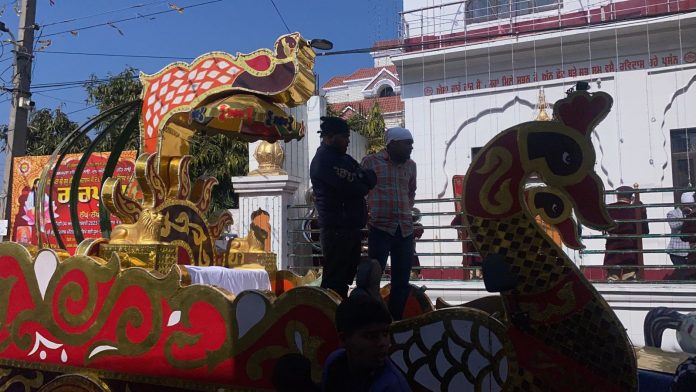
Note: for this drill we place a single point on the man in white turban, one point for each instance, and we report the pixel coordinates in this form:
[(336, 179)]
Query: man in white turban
[(390, 220)]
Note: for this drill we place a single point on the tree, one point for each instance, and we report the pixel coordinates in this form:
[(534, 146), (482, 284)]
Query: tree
[(374, 130), (118, 89), (46, 130), (370, 125), (221, 157)]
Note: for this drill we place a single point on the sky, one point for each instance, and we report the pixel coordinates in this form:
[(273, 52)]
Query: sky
[(224, 25)]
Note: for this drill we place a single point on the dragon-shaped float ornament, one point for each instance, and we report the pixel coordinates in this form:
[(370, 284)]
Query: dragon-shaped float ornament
[(233, 95), (565, 337)]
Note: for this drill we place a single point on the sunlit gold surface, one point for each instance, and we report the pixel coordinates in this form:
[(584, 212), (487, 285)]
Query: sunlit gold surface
[(145, 231)]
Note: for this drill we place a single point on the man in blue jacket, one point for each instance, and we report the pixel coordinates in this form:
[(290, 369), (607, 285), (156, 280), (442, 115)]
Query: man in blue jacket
[(340, 186)]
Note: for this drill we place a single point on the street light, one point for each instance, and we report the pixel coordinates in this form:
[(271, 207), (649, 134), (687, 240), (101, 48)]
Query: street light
[(321, 44)]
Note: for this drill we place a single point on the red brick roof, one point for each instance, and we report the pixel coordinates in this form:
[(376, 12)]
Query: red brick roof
[(335, 81), (386, 43), (362, 73), (386, 104)]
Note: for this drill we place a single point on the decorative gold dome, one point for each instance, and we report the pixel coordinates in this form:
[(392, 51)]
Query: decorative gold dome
[(541, 106), (270, 157)]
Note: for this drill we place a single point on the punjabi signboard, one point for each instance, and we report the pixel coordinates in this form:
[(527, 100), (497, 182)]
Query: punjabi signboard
[(26, 174)]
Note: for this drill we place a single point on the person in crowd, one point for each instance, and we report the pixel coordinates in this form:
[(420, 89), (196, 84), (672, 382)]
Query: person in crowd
[(363, 363), (625, 208), (472, 264), (417, 234), (391, 220), (293, 373), (685, 376), (688, 228), (340, 186), (676, 222)]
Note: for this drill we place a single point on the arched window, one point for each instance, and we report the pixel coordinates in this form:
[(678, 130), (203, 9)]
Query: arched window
[(386, 91)]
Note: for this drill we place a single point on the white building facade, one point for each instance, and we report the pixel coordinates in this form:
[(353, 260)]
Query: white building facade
[(468, 73)]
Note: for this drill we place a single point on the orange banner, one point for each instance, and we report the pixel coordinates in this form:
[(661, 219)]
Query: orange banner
[(26, 173)]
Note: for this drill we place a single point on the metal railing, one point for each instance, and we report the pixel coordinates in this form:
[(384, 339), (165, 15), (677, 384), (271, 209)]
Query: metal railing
[(457, 22), (441, 250)]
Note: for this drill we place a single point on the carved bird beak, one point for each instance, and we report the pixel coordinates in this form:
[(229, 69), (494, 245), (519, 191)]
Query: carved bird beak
[(588, 197)]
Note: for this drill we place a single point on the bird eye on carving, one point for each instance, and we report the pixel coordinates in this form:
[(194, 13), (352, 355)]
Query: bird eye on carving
[(563, 155), (566, 158), (550, 203)]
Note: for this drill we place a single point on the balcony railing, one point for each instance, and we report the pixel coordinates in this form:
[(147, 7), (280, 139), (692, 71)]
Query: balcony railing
[(441, 251), (464, 22)]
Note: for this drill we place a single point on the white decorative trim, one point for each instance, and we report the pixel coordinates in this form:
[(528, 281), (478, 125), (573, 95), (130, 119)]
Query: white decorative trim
[(99, 349), (42, 341), (174, 318)]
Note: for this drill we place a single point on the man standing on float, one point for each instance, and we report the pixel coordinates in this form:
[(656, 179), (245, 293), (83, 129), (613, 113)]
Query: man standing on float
[(340, 186), (391, 220)]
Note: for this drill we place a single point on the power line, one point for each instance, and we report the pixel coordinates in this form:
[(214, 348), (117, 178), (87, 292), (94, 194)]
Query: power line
[(81, 110), (117, 55), (330, 53), (131, 18), (63, 100), (281, 16), (103, 13)]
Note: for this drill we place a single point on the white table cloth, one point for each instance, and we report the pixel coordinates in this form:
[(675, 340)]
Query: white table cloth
[(235, 280)]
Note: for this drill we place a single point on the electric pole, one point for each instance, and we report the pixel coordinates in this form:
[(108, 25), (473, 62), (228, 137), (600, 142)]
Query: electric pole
[(21, 98)]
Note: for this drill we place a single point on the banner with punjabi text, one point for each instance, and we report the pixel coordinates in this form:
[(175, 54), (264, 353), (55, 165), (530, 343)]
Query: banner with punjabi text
[(26, 173)]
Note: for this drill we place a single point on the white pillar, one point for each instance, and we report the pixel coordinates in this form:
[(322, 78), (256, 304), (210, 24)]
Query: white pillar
[(272, 194)]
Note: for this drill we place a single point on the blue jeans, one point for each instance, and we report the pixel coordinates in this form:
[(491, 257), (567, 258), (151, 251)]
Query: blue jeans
[(380, 245)]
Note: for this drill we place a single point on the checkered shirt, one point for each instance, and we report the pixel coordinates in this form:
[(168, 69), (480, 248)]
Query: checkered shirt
[(675, 226), (391, 200)]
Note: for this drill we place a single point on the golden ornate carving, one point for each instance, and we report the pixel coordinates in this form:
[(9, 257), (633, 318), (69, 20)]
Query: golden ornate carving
[(253, 251), (270, 157), (10, 382), (75, 382), (172, 212), (145, 231), (252, 243), (159, 257)]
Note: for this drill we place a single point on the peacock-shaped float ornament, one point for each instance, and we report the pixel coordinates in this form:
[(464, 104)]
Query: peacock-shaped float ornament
[(564, 335)]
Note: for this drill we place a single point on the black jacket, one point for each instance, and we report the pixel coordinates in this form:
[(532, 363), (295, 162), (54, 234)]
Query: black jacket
[(340, 186)]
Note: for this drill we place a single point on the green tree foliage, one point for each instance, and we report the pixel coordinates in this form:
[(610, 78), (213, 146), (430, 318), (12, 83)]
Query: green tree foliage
[(370, 125), (118, 89), (221, 157), (47, 128), (374, 130)]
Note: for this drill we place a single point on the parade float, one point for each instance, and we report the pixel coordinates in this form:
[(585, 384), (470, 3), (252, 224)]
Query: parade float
[(122, 314)]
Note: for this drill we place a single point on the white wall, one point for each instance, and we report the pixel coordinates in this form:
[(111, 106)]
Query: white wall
[(352, 91)]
